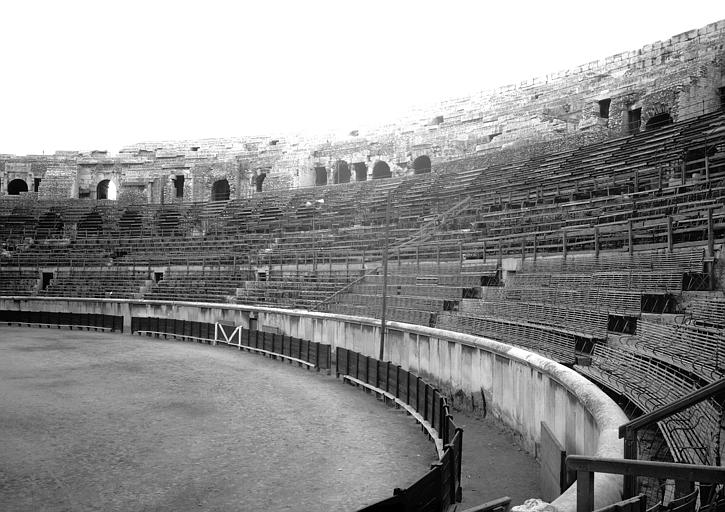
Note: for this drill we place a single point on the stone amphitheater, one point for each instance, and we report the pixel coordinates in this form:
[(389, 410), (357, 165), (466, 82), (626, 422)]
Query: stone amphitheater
[(548, 254)]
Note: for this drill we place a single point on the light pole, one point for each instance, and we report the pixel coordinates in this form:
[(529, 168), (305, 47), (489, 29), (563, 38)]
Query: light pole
[(314, 204), (385, 276)]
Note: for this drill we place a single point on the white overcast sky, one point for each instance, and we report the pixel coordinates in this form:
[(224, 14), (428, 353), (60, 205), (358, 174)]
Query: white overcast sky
[(103, 74)]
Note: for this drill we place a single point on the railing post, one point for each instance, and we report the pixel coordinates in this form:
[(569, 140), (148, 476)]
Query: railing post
[(584, 491), (630, 452), (563, 243), (484, 251), (670, 235)]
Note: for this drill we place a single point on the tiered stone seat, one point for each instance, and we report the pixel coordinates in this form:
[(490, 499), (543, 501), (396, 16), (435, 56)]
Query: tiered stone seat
[(110, 283)]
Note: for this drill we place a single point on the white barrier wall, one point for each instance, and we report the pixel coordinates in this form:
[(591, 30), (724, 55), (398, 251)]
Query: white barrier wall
[(521, 388)]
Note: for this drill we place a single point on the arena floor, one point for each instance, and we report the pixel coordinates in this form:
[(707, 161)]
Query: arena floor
[(95, 421)]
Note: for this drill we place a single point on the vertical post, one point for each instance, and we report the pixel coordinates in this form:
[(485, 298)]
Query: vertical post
[(584, 491), (438, 258), (670, 235), (710, 235), (484, 251), (630, 237), (659, 178), (707, 167), (314, 251), (523, 250), (636, 180), (596, 242), (684, 172), (630, 452), (385, 278), (563, 243), (536, 244), (710, 250), (460, 255), (417, 258)]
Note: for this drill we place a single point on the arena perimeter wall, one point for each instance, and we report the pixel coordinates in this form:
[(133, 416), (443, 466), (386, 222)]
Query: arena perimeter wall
[(521, 388)]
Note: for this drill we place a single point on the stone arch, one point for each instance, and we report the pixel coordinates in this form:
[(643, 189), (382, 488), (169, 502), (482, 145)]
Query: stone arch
[(106, 189), (49, 225), (341, 172), (381, 170), (259, 180), (361, 171), (320, 176), (16, 186), (421, 164), (658, 121), (91, 224), (220, 190)]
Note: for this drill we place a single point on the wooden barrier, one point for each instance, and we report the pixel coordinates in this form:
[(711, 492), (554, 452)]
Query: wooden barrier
[(441, 486)]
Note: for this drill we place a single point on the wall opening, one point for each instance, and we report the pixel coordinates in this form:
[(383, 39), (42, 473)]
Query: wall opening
[(341, 173), (421, 164), (16, 187), (158, 276), (259, 180), (604, 108), (361, 171), (634, 120), (46, 277), (106, 189), (36, 184), (658, 121), (721, 93), (179, 186), (381, 170), (320, 176), (220, 191)]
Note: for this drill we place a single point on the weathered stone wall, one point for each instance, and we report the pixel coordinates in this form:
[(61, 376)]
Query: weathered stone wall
[(680, 77)]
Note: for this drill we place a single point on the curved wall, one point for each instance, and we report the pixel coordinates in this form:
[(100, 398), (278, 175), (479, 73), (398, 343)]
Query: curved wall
[(521, 388)]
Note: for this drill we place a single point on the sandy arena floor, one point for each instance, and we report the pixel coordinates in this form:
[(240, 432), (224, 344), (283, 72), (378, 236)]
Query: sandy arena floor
[(95, 421), (92, 421)]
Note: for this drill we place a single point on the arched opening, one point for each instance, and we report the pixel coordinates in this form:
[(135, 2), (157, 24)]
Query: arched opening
[(259, 180), (381, 170), (17, 186), (49, 225), (341, 173), (421, 164), (106, 189), (130, 223), (320, 176), (361, 171), (658, 121), (90, 225), (220, 191)]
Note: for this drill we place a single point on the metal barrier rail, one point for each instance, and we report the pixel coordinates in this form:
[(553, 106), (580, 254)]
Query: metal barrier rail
[(440, 487)]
